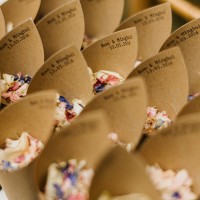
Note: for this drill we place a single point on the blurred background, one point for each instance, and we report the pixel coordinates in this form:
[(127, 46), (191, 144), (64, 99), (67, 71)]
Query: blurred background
[(183, 10)]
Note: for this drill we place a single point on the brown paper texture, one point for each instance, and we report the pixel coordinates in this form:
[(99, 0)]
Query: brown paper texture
[(116, 52), (34, 114), (21, 50), (187, 39), (66, 72), (153, 27), (177, 147), (47, 6), (192, 107), (62, 27), (17, 11), (102, 17), (88, 134), (166, 80), (2, 25), (121, 174), (126, 108)]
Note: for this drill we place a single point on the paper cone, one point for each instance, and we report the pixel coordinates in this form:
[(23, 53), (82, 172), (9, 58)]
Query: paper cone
[(102, 17), (34, 115), (66, 71), (85, 139), (47, 6), (187, 39), (126, 108), (192, 107), (153, 27), (177, 147), (62, 27), (116, 52), (17, 11), (21, 50), (120, 174), (166, 79), (2, 25)]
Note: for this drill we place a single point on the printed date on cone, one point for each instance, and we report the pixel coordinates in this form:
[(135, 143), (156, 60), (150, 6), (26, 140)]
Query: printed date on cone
[(118, 42), (122, 94)]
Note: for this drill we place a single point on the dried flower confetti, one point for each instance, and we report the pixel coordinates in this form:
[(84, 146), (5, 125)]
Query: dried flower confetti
[(19, 153), (66, 112), (14, 87), (68, 180), (192, 96), (155, 121), (170, 184), (115, 139), (103, 80)]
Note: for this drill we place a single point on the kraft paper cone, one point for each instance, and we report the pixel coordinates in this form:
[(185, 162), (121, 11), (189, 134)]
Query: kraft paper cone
[(187, 39), (153, 26), (102, 17), (66, 71), (62, 27), (35, 115), (85, 139), (116, 52), (120, 174), (192, 107), (177, 147), (21, 50), (126, 108), (47, 6), (166, 80), (17, 11), (2, 25)]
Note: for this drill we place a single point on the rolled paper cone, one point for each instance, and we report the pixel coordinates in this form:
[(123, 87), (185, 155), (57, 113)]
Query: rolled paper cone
[(121, 103), (66, 71), (16, 119), (153, 27), (88, 134), (23, 10), (21, 50), (116, 52), (125, 174), (102, 17), (184, 8), (187, 39), (61, 27), (192, 107), (177, 148), (2, 25), (166, 79), (47, 6)]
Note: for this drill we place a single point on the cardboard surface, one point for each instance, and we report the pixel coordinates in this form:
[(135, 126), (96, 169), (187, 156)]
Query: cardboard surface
[(116, 52), (21, 50), (153, 27), (187, 39), (47, 6), (192, 107), (66, 72), (14, 120), (125, 174), (177, 147), (126, 108), (2, 25), (166, 80), (17, 11), (86, 135), (102, 17), (62, 27)]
